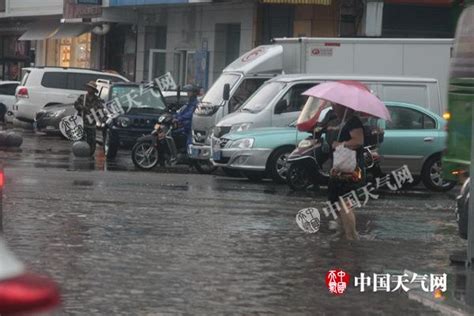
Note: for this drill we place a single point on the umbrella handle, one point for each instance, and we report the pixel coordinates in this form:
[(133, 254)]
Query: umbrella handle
[(342, 125)]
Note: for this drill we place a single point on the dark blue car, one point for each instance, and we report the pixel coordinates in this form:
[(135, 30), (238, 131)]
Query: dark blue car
[(141, 109)]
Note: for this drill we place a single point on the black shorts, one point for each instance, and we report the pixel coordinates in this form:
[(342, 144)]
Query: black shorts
[(337, 188)]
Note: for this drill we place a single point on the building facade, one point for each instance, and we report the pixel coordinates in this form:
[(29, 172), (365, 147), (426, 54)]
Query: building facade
[(193, 39)]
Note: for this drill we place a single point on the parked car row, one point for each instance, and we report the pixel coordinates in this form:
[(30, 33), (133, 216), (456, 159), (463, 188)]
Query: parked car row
[(258, 136), (415, 137)]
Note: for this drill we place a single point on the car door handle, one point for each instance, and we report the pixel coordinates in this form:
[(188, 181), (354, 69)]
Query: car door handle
[(428, 139)]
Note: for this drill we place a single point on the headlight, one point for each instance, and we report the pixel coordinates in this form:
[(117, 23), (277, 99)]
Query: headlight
[(59, 113), (123, 121), (305, 143), (240, 127), (242, 143)]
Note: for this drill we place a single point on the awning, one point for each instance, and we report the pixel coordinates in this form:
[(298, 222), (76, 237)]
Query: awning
[(71, 30), (320, 2), (40, 31)]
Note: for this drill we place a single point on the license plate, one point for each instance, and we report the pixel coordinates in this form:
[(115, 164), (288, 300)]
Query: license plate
[(194, 152), (216, 155), (49, 127)]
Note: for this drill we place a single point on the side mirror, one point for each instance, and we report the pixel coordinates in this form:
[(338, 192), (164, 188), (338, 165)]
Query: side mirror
[(281, 106), (226, 94)]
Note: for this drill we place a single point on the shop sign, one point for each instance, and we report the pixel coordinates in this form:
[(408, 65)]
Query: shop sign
[(85, 9)]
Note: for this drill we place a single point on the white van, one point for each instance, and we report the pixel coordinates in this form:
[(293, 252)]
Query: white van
[(279, 101), (44, 86)]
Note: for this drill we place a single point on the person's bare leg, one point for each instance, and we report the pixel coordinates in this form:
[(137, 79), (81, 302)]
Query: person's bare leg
[(349, 223)]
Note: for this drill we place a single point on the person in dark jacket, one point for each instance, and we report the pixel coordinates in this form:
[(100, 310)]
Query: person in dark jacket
[(185, 116), (87, 107)]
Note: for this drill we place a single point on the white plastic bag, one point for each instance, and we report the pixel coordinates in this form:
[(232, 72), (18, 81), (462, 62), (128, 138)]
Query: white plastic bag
[(344, 159)]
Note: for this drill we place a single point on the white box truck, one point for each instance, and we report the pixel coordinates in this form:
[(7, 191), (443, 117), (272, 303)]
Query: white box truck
[(427, 58)]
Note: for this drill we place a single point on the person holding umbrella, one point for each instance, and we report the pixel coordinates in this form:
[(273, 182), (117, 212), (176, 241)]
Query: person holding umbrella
[(347, 141)]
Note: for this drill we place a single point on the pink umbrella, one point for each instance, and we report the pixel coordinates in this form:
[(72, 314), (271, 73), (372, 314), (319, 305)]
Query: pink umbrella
[(352, 94)]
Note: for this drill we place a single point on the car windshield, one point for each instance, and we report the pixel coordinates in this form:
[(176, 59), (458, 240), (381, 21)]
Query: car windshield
[(138, 97), (215, 94), (260, 99)]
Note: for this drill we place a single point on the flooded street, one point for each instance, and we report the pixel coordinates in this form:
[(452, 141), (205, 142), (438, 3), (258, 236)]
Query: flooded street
[(126, 242)]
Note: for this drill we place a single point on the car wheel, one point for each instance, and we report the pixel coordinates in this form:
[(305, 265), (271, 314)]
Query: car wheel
[(462, 215), (111, 144), (253, 176), (204, 166), (432, 176), (277, 167), (298, 177), (3, 112)]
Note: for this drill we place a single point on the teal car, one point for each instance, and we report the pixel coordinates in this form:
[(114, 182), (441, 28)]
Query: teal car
[(415, 137)]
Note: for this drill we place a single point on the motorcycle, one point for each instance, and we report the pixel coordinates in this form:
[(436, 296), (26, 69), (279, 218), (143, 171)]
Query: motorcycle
[(167, 146), (310, 163)]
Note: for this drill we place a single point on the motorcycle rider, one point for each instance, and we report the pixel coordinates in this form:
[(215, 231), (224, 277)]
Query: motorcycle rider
[(184, 117), (88, 106)]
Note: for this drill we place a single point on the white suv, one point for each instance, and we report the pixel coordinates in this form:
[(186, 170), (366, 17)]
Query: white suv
[(45, 86)]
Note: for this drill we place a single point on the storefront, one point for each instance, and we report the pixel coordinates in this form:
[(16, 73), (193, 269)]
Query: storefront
[(69, 51), (14, 55)]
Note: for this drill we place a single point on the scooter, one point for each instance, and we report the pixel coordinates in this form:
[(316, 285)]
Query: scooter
[(167, 146), (309, 163)]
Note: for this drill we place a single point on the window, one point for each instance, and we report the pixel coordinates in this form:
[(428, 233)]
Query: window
[(243, 92), (77, 81), (26, 74), (408, 119), (57, 80), (417, 94), (10, 89), (294, 98)]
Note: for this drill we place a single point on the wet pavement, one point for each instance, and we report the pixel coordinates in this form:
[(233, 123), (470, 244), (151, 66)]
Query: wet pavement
[(125, 242)]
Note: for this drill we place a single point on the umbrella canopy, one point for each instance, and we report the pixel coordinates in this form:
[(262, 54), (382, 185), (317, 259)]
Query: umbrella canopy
[(352, 94)]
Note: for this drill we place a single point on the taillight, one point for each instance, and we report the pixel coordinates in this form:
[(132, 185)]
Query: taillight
[(22, 92), (28, 293)]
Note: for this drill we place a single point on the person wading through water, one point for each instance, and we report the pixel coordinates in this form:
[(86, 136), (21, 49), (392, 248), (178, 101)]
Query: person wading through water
[(350, 134), (88, 107)]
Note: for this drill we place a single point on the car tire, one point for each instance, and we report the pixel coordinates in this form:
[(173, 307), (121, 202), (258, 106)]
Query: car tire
[(431, 176), (3, 112), (111, 144), (253, 176), (462, 215), (204, 166), (276, 165)]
